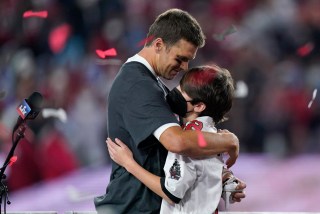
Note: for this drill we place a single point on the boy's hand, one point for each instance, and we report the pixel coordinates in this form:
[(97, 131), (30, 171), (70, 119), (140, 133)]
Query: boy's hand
[(119, 152)]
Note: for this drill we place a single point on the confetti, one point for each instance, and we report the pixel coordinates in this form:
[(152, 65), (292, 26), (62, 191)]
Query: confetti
[(58, 37), (13, 159), (58, 113), (40, 14), (305, 49), (201, 141), (224, 34), (146, 40), (313, 97), (109, 52), (241, 90)]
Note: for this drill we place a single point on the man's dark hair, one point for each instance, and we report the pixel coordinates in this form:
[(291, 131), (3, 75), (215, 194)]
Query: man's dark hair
[(211, 85), (173, 25)]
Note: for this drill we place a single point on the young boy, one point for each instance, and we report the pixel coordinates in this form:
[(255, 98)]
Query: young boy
[(202, 99)]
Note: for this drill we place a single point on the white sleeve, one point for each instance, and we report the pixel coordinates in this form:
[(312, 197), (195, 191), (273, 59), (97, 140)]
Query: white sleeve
[(180, 174), (158, 132)]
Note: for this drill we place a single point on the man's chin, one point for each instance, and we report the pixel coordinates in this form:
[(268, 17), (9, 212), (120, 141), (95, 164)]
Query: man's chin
[(173, 76)]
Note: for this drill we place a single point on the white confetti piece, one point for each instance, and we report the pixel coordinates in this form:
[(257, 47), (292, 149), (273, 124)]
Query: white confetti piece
[(58, 113), (224, 34), (314, 94), (241, 90)]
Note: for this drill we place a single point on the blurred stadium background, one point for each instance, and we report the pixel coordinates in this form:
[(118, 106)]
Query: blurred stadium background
[(271, 47)]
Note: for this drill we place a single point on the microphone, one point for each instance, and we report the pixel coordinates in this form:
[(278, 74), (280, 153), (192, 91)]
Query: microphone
[(29, 108)]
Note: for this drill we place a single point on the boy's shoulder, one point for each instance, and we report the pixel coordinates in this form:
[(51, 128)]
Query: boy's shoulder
[(200, 124)]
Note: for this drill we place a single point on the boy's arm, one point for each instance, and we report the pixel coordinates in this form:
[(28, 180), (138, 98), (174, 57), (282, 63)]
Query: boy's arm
[(122, 155)]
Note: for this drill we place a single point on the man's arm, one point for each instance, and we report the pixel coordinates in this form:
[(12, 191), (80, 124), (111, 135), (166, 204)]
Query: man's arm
[(122, 155), (185, 142)]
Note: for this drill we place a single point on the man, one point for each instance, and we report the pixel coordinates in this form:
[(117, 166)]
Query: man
[(139, 115), (191, 185)]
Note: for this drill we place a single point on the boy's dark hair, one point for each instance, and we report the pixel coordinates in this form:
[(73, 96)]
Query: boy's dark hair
[(173, 25), (211, 85)]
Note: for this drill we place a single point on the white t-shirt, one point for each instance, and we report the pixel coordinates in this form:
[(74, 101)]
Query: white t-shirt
[(197, 182)]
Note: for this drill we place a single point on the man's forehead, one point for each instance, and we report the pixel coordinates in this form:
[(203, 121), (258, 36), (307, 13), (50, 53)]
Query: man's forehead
[(185, 50)]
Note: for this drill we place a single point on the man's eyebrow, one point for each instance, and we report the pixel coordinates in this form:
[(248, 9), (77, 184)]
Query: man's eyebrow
[(183, 58)]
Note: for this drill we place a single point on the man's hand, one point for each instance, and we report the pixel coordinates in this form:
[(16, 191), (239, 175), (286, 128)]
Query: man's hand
[(240, 194), (233, 151), (232, 191)]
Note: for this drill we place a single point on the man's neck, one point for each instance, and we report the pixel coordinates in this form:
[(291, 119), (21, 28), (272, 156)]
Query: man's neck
[(190, 117), (148, 54)]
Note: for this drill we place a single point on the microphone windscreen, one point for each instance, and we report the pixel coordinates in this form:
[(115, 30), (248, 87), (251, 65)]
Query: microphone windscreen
[(35, 103), (35, 100)]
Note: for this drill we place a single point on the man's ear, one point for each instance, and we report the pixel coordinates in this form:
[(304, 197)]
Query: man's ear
[(199, 107), (158, 44)]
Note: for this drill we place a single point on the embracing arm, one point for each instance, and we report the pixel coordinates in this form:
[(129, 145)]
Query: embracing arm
[(122, 155), (176, 140)]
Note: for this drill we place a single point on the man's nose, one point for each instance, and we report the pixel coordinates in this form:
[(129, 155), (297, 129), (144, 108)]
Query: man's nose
[(184, 66)]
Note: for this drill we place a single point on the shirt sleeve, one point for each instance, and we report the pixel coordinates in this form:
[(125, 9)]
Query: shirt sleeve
[(157, 133), (180, 174), (146, 110)]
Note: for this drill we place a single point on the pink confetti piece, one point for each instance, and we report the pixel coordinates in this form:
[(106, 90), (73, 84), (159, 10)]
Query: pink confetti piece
[(40, 14), (305, 49), (109, 52), (145, 41), (201, 141), (58, 37), (13, 159)]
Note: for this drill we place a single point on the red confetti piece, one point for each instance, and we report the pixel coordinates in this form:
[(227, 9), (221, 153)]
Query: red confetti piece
[(146, 40), (305, 49), (201, 141), (13, 159), (58, 37), (109, 52), (41, 14)]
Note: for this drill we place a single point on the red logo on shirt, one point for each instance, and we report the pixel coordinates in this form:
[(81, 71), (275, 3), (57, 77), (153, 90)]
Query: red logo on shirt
[(194, 125)]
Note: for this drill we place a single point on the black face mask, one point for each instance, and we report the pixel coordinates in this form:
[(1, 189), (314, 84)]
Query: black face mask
[(177, 102)]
